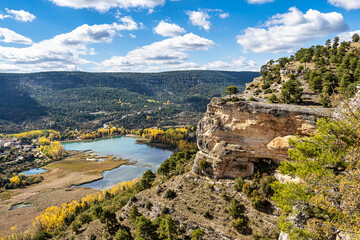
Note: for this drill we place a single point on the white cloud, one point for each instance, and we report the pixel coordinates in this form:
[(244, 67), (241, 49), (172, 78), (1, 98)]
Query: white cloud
[(347, 4), (63, 51), (166, 29), (200, 18), (9, 36), (169, 53), (132, 35), (20, 15), (259, 1), (224, 15), (347, 36), (284, 32), (105, 5), (233, 64)]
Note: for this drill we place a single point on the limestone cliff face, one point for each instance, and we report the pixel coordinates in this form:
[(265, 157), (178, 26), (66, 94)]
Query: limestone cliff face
[(235, 136)]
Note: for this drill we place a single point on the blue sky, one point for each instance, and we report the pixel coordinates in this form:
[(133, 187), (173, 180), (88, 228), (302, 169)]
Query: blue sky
[(162, 35)]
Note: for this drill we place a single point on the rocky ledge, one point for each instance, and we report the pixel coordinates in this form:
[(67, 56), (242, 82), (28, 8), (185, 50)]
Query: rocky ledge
[(237, 138)]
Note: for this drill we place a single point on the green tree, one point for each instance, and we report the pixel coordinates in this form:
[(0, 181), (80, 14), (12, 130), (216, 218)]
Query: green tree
[(329, 168), (292, 92), (356, 37), (198, 234), (123, 234), (273, 99), (144, 229), (231, 90), (168, 229)]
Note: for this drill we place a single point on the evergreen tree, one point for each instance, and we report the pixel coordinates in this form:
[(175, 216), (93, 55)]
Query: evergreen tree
[(356, 37), (292, 92), (168, 229)]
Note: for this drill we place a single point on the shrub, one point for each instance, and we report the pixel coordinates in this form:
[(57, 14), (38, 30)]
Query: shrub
[(247, 189), (85, 218), (198, 234), (239, 182), (122, 234), (239, 224), (165, 211), (42, 236), (148, 205), (170, 194), (203, 164), (75, 226), (236, 208), (133, 199), (207, 215), (273, 99), (97, 211), (134, 213), (265, 185), (259, 202)]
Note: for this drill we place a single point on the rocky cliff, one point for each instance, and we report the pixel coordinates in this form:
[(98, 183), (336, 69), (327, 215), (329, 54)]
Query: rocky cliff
[(237, 138)]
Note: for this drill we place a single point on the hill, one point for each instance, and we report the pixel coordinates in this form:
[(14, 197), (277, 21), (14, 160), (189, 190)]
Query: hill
[(61, 100), (310, 76)]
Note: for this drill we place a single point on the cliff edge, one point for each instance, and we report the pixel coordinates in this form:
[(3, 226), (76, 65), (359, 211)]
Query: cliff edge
[(236, 139)]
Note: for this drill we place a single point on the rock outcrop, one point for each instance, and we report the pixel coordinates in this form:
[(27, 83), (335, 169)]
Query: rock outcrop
[(234, 138)]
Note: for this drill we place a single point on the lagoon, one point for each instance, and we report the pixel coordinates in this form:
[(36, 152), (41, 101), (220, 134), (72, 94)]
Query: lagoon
[(143, 156)]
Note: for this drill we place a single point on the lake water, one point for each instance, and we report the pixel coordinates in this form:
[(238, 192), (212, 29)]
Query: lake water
[(144, 156), (33, 171)]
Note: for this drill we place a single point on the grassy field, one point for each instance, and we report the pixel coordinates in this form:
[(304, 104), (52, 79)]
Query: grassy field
[(78, 163)]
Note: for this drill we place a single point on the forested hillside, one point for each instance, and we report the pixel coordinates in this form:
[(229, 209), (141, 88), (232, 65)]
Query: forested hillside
[(60, 100), (310, 76)]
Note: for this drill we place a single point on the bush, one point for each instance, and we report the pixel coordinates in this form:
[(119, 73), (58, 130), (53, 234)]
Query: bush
[(170, 194), (122, 234), (165, 211), (239, 224), (203, 164), (85, 218), (259, 202), (198, 234), (75, 226), (207, 215), (239, 182), (273, 99), (148, 205), (42, 236), (236, 208), (265, 185), (97, 211), (247, 189), (134, 213)]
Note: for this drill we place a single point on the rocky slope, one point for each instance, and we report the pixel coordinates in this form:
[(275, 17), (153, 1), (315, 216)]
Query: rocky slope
[(236, 139)]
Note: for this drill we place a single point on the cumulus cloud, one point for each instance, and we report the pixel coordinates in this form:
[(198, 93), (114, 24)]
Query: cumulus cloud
[(284, 32), (259, 1), (347, 4), (9, 36), (166, 29), (63, 51), (105, 5), (347, 36), (169, 53), (20, 15), (233, 64), (200, 18)]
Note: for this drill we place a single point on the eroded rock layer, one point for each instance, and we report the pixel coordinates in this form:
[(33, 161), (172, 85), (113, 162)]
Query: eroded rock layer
[(234, 136)]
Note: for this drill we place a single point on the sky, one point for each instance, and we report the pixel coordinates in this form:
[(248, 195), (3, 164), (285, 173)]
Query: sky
[(165, 35)]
